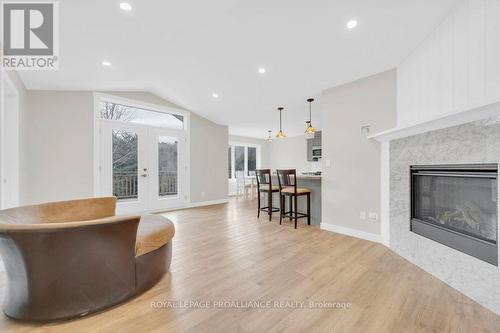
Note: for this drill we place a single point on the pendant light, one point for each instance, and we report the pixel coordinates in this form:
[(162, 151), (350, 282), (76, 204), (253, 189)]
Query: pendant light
[(269, 138), (310, 130), (281, 134)]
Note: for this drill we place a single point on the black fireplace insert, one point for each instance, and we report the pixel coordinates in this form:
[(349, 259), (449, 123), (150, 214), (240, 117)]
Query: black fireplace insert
[(457, 205)]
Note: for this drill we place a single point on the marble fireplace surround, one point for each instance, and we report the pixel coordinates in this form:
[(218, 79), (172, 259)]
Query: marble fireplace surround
[(470, 143)]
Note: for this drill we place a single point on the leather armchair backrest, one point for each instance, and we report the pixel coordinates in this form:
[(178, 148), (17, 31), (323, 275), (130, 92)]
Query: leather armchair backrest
[(63, 211)]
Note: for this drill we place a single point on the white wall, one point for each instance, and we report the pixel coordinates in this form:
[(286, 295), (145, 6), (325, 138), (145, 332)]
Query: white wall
[(456, 68), (291, 153), (58, 147), (208, 160), (59, 134), (352, 183)]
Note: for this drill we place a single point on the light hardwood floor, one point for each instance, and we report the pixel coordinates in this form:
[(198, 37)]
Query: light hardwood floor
[(224, 252)]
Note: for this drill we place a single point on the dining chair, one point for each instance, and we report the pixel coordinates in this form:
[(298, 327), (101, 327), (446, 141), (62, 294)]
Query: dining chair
[(251, 179), (241, 184)]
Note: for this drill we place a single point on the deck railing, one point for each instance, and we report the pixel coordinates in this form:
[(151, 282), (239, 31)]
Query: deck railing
[(168, 183), (125, 184)]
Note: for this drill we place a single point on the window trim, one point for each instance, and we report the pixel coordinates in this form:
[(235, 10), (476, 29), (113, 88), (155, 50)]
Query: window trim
[(145, 108), (100, 97), (232, 145)]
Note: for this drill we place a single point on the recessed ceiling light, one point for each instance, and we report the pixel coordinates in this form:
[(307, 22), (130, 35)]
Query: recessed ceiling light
[(125, 6), (351, 24), (262, 70), (215, 95), (106, 63)]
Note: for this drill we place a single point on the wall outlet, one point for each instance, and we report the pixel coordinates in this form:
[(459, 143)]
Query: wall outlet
[(328, 163), (362, 215), (373, 216), (365, 130), (202, 194)]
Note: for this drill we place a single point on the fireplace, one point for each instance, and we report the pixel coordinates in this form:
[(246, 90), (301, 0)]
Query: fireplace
[(456, 205)]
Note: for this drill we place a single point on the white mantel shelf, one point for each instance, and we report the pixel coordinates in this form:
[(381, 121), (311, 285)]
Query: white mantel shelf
[(453, 119)]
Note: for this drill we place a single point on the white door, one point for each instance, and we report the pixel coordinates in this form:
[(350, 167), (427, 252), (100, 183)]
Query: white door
[(166, 169), (143, 166)]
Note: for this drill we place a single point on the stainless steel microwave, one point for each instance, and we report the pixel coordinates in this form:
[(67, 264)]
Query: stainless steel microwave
[(316, 152)]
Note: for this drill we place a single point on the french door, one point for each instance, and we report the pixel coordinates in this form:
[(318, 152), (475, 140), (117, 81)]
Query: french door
[(143, 166)]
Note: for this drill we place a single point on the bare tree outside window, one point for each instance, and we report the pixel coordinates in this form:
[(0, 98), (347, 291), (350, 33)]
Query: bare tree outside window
[(125, 165), (112, 111), (252, 160), (131, 114), (167, 166), (239, 158)]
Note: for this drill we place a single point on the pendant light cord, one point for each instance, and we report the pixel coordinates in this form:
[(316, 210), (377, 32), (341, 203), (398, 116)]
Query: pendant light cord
[(310, 100), (280, 120), (280, 109)]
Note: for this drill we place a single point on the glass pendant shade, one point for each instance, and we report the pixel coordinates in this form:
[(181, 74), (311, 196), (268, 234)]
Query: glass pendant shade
[(310, 130), (269, 138), (281, 135)]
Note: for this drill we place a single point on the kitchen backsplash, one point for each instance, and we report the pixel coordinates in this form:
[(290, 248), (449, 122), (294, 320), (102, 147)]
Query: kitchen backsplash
[(314, 166)]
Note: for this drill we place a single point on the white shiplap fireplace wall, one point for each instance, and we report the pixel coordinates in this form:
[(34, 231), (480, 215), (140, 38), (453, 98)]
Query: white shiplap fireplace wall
[(452, 78), (456, 68)]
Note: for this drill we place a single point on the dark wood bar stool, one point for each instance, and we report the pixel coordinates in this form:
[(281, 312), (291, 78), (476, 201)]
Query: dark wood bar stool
[(264, 184), (287, 183)]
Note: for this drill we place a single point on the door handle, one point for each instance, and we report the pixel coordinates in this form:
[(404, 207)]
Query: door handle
[(144, 175)]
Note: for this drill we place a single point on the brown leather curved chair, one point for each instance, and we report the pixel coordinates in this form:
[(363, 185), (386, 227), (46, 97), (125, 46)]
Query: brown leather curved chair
[(71, 258)]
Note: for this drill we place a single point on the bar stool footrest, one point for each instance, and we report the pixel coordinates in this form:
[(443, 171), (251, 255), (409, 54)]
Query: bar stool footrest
[(292, 215), (273, 209)]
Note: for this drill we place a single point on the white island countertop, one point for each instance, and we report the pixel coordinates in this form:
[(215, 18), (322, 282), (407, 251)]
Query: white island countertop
[(312, 177), (305, 177)]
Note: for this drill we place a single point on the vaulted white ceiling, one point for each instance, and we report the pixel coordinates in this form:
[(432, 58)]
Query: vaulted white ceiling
[(185, 50)]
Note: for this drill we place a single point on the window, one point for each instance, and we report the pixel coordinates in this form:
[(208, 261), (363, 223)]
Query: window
[(252, 160), (125, 165), (167, 166), (229, 162), (130, 114), (239, 158), (243, 157)]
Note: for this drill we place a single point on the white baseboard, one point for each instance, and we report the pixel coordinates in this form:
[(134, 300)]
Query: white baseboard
[(188, 205), (207, 203), (351, 232)]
